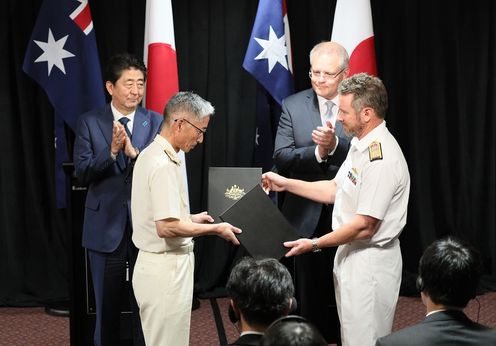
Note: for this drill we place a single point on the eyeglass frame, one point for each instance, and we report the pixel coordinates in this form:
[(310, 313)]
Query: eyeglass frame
[(327, 75), (200, 131)]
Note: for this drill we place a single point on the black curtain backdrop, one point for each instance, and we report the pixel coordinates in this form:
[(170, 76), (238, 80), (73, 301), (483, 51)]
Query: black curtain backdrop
[(437, 60)]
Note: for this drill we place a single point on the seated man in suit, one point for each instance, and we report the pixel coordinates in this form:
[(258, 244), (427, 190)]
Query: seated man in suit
[(449, 272), (261, 291)]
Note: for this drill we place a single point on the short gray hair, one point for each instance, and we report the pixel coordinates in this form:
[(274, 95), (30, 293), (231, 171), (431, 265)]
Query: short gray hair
[(369, 91), (188, 102)]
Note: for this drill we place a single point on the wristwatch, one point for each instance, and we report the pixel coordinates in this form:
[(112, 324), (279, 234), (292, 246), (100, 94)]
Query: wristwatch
[(315, 248)]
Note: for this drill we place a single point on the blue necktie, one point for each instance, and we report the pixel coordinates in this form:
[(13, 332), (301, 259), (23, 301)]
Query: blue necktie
[(124, 121), (122, 157)]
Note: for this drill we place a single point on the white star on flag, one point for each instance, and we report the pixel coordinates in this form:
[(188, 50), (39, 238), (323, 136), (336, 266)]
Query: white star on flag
[(274, 49), (53, 52)]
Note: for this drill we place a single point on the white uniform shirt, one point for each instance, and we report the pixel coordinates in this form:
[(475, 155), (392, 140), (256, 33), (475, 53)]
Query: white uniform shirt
[(374, 181), (158, 193)]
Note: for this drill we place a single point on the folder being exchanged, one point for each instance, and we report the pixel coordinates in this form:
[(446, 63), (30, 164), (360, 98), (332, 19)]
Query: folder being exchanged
[(264, 228), (228, 184)]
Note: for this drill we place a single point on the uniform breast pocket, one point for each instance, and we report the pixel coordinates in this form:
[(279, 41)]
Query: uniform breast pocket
[(351, 190)]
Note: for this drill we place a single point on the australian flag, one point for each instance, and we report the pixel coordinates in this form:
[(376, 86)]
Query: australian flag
[(63, 59), (268, 59)]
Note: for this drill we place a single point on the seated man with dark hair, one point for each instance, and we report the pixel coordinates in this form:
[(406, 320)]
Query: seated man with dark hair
[(449, 273), (261, 291), (292, 331)]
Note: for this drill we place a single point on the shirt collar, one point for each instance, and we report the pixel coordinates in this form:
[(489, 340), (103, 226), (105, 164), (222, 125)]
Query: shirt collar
[(117, 115), (323, 103), (440, 310), (434, 311), (250, 332), (363, 144), (168, 149)]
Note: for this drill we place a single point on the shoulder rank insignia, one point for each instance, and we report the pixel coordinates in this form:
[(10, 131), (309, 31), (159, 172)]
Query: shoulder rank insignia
[(173, 158), (375, 151)]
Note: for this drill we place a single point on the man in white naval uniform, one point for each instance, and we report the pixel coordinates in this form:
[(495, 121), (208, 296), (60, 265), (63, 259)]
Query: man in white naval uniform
[(370, 195)]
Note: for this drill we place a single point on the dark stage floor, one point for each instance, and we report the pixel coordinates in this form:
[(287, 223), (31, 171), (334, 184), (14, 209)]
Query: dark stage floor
[(32, 326)]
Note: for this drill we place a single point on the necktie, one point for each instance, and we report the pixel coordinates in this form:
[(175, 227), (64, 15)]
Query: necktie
[(123, 159), (124, 121), (329, 115)]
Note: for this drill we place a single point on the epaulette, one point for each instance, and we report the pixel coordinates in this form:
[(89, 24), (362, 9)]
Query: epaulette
[(173, 158), (375, 151)]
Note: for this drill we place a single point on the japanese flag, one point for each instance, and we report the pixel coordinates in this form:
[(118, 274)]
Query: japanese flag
[(354, 31), (160, 58)]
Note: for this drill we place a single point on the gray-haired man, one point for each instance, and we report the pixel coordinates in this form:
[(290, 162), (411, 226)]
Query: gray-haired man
[(163, 227)]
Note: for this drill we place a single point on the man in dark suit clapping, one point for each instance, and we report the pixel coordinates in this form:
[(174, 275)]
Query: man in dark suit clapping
[(107, 143), (311, 145)]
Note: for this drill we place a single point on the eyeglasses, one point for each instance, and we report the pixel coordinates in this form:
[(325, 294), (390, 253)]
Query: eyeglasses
[(325, 75), (200, 131)]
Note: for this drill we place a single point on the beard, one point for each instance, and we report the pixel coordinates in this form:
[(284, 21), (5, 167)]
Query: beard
[(354, 131)]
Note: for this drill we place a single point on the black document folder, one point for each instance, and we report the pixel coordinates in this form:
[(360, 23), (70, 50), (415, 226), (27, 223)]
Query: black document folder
[(264, 227), (226, 185)]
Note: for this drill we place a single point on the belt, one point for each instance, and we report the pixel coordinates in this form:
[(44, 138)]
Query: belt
[(182, 249)]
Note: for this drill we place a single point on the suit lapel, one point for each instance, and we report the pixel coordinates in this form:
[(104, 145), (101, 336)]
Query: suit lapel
[(106, 123), (141, 128), (339, 129), (313, 107)]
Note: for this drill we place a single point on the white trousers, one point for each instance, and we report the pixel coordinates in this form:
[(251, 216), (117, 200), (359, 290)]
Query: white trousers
[(367, 283), (163, 286)]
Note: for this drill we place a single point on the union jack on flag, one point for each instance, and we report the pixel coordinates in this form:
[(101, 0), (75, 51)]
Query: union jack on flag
[(62, 58)]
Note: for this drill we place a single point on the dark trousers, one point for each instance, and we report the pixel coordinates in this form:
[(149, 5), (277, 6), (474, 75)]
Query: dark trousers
[(314, 286), (109, 273)]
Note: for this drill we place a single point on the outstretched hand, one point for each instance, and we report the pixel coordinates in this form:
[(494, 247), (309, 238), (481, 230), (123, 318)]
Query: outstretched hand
[(298, 247), (228, 232), (273, 182), (202, 217)]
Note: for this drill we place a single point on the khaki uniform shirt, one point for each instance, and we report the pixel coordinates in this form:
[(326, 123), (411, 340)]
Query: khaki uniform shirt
[(158, 193)]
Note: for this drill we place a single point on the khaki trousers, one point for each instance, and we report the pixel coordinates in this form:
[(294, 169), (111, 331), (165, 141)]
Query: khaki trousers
[(163, 286)]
